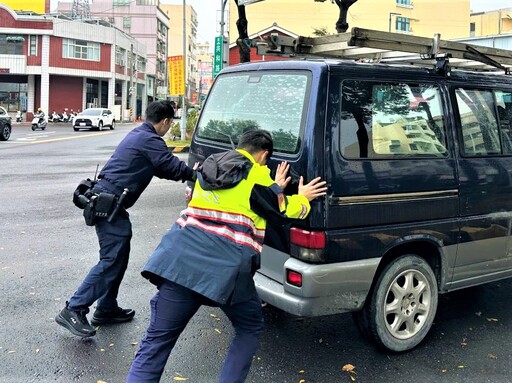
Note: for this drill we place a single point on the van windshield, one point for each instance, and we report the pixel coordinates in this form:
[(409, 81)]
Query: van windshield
[(271, 100)]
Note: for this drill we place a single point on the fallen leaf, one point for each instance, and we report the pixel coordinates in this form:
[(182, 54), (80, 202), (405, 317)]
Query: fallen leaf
[(301, 372), (320, 340), (213, 315), (111, 345), (179, 378), (352, 378), (302, 381), (101, 381), (492, 356), (218, 331), (443, 370), (464, 342), (492, 319), (11, 351), (134, 343), (478, 313), (460, 366), (348, 368), (102, 349), (37, 350)]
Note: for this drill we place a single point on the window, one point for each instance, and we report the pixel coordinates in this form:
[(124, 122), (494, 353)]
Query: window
[(121, 2), (485, 121), (472, 29), (11, 44), (127, 22), (78, 49), (382, 120), (403, 24), (403, 2), (270, 100), (32, 45), (120, 56), (147, 2)]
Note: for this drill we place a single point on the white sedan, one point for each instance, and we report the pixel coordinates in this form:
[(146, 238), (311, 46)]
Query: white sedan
[(94, 118)]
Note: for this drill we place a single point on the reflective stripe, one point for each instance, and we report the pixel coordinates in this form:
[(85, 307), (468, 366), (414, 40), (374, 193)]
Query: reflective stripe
[(222, 216), (303, 212), (223, 231)]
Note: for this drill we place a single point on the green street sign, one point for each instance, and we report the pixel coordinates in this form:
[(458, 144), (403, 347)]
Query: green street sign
[(217, 55)]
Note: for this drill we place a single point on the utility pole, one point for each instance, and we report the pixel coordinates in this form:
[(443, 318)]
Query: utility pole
[(130, 90), (183, 127), (225, 51)]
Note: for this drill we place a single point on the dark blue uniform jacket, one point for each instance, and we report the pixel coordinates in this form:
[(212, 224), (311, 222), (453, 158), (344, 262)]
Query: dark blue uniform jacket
[(141, 155)]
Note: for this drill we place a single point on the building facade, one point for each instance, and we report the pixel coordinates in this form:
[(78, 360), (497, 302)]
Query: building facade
[(491, 23), (145, 21), (36, 6), (175, 40), (418, 17), (63, 65)]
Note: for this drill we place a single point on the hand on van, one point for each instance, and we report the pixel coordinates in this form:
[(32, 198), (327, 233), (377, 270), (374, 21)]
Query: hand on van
[(281, 174), (315, 188)]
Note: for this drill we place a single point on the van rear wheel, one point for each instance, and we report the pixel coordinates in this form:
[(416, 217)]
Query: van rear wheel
[(401, 308)]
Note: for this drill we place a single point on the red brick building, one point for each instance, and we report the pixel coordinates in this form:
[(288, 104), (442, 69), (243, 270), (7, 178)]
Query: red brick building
[(60, 64)]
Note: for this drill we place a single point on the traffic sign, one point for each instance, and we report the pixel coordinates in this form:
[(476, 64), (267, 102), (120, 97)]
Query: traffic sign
[(218, 55)]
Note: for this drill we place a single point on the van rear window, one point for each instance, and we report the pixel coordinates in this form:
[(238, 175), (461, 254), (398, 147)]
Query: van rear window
[(384, 119), (271, 100)]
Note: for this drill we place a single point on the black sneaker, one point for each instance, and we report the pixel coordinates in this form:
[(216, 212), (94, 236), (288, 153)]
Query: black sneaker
[(76, 322), (118, 315)]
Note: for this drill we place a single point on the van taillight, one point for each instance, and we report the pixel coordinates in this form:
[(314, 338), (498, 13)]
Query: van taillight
[(307, 245), (309, 239), (293, 278)]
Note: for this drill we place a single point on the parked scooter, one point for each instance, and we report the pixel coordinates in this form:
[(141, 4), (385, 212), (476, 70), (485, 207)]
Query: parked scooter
[(19, 116), (39, 122)]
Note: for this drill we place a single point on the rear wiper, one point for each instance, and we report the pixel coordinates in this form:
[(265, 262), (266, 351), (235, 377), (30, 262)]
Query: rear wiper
[(226, 135)]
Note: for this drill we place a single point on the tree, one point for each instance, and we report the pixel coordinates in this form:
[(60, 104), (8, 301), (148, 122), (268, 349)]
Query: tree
[(242, 26)]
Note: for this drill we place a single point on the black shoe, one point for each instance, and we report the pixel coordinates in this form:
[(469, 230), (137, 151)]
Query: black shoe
[(118, 315), (76, 322)]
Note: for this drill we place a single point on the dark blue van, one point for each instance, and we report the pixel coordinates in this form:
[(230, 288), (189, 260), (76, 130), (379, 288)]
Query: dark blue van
[(419, 169)]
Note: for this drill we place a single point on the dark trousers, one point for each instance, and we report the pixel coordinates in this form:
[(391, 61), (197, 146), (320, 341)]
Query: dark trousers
[(102, 282), (171, 309)]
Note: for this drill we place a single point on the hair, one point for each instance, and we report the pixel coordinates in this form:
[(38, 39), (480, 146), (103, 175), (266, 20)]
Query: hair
[(256, 140), (159, 110)]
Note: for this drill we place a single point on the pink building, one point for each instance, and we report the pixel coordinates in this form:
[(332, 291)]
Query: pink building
[(145, 21)]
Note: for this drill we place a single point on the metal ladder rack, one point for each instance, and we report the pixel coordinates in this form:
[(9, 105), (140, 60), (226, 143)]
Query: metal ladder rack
[(389, 47)]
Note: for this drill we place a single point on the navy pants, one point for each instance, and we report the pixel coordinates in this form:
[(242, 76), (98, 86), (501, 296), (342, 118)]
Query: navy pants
[(171, 309), (102, 282)]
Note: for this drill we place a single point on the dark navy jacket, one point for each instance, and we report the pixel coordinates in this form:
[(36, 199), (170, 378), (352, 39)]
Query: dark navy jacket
[(141, 155)]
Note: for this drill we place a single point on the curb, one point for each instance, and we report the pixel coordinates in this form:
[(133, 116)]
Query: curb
[(179, 149)]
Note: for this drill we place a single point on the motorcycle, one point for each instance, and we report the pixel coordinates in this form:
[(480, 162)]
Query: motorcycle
[(38, 123), (19, 116)]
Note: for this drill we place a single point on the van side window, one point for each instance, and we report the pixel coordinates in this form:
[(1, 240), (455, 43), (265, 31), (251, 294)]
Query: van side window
[(384, 119), (480, 133), (504, 105)]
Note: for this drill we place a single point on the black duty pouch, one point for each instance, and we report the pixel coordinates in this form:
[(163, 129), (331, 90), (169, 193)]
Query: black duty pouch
[(83, 189), (99, 206)]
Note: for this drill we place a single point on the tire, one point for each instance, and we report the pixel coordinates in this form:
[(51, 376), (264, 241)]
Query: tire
[(5, 133), (401, 308), (113, 125), (75, 128), (100, 125), (34, 126)]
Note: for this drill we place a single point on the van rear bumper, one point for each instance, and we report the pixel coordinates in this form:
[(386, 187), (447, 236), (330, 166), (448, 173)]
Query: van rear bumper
[(326, 289)]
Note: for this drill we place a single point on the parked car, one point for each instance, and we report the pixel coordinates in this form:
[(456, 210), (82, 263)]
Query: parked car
[(94, 119), (419, 168), (5, 124)]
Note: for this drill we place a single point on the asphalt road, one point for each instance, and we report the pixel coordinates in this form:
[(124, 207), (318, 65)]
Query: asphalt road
[(46, 250)]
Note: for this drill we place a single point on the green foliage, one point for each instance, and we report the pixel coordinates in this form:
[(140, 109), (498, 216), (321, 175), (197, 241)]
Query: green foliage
[(192, 117)]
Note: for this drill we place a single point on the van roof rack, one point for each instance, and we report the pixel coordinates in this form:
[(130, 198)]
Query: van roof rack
[(391, 48)]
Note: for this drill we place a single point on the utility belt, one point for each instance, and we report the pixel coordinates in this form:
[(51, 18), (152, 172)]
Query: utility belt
[(97, 204)]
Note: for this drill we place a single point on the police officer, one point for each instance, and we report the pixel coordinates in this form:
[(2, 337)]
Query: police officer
[(141, 155), (211, 253)]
